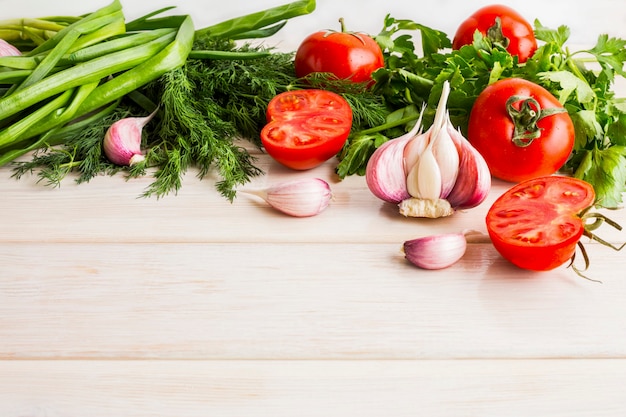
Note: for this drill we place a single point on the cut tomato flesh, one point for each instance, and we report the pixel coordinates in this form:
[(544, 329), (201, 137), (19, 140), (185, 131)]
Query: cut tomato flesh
[(536, 225), (306, 127)]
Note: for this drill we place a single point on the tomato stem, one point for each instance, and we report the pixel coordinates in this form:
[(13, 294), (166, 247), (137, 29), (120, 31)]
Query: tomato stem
[(343, 25), (525, 118), (578, 271), (495, 35), (598, 220), (343, 30)]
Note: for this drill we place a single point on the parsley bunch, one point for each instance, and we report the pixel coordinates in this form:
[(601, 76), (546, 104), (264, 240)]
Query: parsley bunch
[(582, 80)]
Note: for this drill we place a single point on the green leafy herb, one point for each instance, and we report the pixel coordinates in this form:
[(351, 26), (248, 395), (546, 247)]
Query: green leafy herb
[(207, 105), (599, 155), (412, 80)]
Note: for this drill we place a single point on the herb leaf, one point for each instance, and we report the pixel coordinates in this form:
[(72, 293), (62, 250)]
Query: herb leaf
[(606, 170)]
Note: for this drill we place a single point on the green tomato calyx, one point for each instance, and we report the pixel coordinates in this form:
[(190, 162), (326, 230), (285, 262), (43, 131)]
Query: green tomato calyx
[(495, 35), (344, 31), (525, 119)]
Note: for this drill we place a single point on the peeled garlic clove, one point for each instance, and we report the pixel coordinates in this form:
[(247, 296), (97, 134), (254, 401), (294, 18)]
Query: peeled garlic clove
[(6, 49), (437, 251), (447, 157), (443, 148), (424, 179), (122, 141), (474, 179), (298, 198)]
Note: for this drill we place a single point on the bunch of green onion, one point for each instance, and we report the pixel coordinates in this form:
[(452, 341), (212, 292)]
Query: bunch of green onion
[(74, 70)]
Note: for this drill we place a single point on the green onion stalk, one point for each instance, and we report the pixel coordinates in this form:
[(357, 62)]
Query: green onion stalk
[(75, 70)]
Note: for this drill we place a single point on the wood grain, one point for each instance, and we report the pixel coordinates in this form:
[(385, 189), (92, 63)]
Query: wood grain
[(558, 388), (193, 306), (278, 301)]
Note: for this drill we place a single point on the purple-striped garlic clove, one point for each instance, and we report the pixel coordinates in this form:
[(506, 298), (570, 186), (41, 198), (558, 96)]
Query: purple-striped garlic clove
[(436, 251)]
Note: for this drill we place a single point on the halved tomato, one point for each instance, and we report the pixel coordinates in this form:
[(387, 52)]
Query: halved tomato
[(306, 127), (535, 224)]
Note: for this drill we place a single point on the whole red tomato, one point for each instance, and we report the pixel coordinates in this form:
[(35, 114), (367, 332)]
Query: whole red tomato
[(306, 127), (535, 224), (346, 55), (512, 31), (520, 129)]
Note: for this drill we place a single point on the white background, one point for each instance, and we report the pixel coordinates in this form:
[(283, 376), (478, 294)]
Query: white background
[(586, 19)]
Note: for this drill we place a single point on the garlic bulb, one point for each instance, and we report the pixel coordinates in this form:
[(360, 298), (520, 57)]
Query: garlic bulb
[(437, 251), (122, 141), (298, 198), (441, 171), (6, 49)]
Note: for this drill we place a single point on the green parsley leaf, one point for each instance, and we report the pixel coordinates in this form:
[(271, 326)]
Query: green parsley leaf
[(551, 36), (606, 170), (610, 53), (569, 84)]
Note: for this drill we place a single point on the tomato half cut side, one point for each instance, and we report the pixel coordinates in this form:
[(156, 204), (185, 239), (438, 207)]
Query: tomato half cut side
[(306, 127), (535, 224)]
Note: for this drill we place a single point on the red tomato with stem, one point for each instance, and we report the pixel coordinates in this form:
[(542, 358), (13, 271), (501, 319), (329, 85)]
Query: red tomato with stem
[(536, 224), (306, 127), (347, 55), (500, 24), (520, 129)]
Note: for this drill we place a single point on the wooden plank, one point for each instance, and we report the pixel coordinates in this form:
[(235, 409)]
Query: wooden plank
[(110, 210), (279, 301), (556, 388)]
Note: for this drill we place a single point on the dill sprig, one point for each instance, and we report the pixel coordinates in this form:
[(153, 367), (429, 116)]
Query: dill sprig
[(193, 132), (207, 105)]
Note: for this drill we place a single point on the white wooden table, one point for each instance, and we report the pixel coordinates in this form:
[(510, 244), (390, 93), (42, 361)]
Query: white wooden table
[(190, 306)]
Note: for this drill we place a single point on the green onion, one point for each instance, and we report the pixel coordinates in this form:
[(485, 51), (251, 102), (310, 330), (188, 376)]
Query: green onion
[(230, 29), (77, 57), (77, 73)]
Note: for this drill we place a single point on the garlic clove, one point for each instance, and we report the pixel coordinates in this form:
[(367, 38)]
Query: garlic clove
[(413, 150), (447, 157), (474, 180), (384, 173), (436, 251), (6, 49), (297, 198), (122, 141), (443, 148), (416, 145), (424, 180)]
